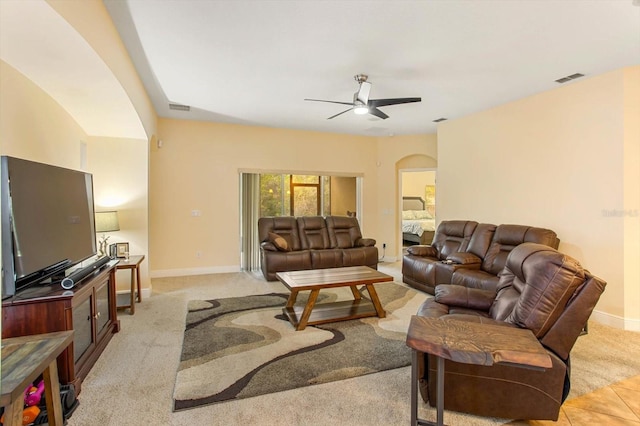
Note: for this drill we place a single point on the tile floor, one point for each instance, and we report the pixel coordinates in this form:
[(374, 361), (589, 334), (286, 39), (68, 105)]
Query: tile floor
[(617, 404)]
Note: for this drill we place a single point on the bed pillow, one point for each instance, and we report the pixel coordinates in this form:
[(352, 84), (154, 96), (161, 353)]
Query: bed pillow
[(408, 215), (278, 241), (422, 214)]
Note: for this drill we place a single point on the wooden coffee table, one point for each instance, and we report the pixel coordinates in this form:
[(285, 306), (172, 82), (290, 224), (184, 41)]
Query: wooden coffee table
[(315, 280)]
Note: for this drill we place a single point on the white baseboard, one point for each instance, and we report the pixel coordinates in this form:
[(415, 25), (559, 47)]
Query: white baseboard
[(616, 321), (163, 273)]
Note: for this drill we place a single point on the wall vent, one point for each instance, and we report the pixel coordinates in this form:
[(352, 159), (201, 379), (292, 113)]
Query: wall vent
[(178, 107), (569, 78), (439, 120)]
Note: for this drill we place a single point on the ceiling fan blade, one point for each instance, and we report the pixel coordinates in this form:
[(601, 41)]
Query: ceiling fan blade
[(363, 92), (331, 102), (340, 113), (378, 113), (395, 101)]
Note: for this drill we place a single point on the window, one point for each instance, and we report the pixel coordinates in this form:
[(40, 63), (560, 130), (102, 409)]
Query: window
[(295, 195)]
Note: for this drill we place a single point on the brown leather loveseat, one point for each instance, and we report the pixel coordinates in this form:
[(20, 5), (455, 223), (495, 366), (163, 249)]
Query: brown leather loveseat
[(540, 289), (313, 242), (468, 253)]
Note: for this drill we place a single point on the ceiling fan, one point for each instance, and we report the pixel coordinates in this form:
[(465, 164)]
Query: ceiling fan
[(363, 105)]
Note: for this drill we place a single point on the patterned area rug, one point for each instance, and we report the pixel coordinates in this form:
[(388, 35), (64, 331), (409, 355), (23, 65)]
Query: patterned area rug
[(242, 347)]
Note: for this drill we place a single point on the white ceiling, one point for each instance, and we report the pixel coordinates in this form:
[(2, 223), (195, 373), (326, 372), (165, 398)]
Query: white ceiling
[(254, 62)]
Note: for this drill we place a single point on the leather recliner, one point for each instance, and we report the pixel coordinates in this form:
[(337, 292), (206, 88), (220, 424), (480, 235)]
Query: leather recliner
[(540, 289), (468, 254), (424, 266)]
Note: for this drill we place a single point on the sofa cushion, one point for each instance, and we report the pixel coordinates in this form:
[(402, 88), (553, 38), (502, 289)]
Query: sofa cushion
[(506, 237), (326, 258), (475, 279), (285, 226), (279, 242), (313, 233), (344, 232), (452, 236), (357, 256), (544, 279)]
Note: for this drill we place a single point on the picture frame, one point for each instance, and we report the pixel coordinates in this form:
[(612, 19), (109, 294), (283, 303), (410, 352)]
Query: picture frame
[(122, 250)]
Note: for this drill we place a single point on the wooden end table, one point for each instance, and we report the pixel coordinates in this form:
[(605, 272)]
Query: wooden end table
[(133, 263), (318, 279), (23, 359), (468, 343)]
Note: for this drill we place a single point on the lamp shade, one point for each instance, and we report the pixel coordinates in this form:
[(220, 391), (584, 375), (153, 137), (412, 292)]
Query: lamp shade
[(107, 221)]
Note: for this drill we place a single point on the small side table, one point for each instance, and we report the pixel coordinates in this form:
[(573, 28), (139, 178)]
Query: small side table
[(23, 359), (133, 263), (468, 343)]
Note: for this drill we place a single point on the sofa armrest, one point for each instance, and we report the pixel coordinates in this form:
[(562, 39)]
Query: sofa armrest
[(461, 296), (268, 245), (365, 242), (464, 258), (426, 251)]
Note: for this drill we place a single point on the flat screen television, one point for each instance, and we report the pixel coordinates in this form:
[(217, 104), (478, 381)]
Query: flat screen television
[(47, 222)]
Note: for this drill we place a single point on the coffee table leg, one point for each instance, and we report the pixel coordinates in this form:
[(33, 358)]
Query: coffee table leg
[(376, 302), (292, 298), (356, 293), (307, 309)]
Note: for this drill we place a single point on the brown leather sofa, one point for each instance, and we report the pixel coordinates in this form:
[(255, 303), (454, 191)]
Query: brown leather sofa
[(313, 242), (541, 290), (468, 253)]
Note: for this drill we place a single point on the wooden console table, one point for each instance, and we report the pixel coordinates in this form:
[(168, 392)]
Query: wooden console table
[(133, 263), (468, 343), (23, 360), (89, 309)]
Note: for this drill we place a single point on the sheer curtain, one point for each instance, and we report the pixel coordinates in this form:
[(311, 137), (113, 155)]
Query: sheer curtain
[(249, 214)]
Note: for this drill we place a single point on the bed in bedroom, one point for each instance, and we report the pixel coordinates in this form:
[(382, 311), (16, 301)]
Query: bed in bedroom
[(418, 224)]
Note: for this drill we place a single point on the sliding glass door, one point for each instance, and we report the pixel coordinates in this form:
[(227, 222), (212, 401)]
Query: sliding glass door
[(269, 194)]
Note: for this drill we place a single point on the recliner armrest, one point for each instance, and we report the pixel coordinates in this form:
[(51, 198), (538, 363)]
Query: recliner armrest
[(461, 296), (464, 258), (365, 242), (268, 245), (426, 251)]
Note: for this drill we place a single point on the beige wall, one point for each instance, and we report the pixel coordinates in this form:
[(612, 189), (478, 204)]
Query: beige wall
[(343, 195), (120, 170), (33, 126), (413, 183), (556, 160), (395, 154), (198, 168)]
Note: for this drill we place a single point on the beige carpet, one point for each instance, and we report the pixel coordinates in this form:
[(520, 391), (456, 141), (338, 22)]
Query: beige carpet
[(132, 382)]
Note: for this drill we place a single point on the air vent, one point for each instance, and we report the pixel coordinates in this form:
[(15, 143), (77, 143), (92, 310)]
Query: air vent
[(439, 120), (569, 78), (178, 107)]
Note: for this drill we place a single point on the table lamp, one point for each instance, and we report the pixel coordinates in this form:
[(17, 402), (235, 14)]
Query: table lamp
[(106, 222)]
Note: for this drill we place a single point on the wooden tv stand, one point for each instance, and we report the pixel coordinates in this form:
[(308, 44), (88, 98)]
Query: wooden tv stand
[(89, 309)]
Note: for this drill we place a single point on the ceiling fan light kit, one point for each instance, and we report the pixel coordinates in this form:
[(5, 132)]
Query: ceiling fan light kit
[(363, 105)]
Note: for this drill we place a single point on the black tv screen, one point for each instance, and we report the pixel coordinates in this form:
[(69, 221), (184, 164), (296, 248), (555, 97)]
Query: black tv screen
[(47, 221)]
